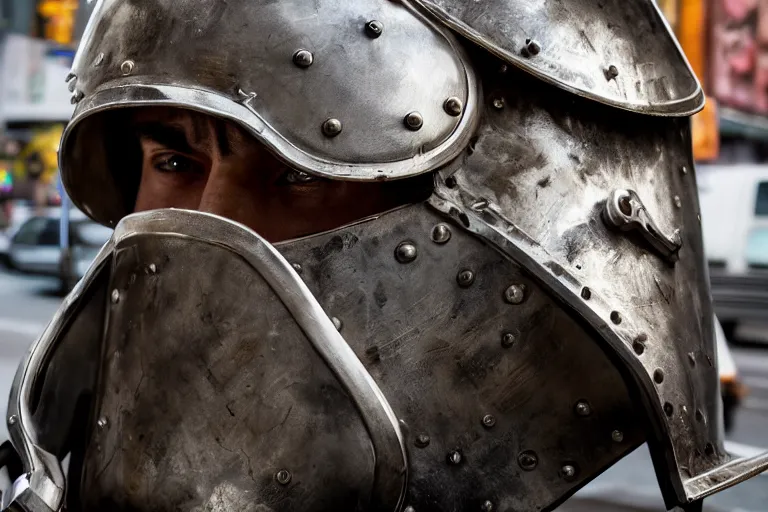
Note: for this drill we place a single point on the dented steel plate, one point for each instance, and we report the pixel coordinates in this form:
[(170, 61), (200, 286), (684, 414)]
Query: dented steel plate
[(617, 52)]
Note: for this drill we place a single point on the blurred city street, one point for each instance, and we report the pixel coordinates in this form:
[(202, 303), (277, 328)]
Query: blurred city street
[(27, 304)]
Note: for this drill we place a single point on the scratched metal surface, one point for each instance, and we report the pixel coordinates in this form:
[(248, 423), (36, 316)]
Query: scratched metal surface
[(206, 393), (534, 182), (435, 349), (618, 52)]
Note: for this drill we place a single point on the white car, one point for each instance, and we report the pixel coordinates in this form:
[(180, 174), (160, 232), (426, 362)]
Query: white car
[(36, 246)]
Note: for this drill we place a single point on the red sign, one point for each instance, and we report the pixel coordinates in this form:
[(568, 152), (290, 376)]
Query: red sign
[(739, 65)]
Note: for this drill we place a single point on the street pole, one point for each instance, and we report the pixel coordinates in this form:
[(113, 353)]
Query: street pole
[(65, 262)]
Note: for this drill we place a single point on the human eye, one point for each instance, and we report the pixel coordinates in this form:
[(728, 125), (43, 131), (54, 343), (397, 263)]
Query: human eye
[(176, 163), (293, 177)]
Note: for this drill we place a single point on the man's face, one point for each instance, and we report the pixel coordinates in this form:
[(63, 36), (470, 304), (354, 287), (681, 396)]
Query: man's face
[(198, 162)]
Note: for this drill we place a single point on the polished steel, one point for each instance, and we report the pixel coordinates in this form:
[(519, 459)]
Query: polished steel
[(528, 460), (218, 50), (515, 294), (414, 121), (424, 338), (374, 29), (283, 477), (303, 58), (441, 234), (572, 44), (126, 68), (453, 106), (465, 278), (332, 127), (625, 211), (202, 352), (549, 151), (406, 252), (582, 408), (568, 471)]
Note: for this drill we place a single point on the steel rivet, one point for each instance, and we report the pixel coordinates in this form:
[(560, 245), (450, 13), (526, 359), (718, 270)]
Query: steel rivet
[(684, 170), (77, 97), (409, 509), (692, 359), (489, 421), (153, 268), (465, 278), (515, 294), (13, 419), (617, 436), (303, 58), (487, 506), (102, 422), (498, 103), (453, 106), (582, 408), (638, 346), (115, 296), (297, 267), (414, 121), (454, 458), (70, 76), (528, 460), (406, 252), (337, 323), (99, 59), (507, 340), (421, 441), (568, 472), (503, 68), (374, 29), (332, 127), (127, 67), (612, 72), (698, 217), (441, 234), (531, 48), (678, 202), (283, 477)]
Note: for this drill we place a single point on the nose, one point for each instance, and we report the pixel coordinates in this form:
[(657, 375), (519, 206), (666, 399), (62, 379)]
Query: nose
[(233, 191)]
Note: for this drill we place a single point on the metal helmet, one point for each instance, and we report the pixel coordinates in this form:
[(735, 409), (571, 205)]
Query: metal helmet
[(497, 346)]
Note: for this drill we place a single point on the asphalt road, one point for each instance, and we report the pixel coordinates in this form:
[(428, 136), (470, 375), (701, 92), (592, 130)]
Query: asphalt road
[(27, 304)]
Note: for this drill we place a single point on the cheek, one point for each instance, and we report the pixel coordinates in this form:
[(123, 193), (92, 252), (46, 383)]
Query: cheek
[(168, 190)]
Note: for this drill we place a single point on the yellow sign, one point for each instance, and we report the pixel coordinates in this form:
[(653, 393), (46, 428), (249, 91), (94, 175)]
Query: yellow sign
[(59, 18), (705, 131), (44, 150)]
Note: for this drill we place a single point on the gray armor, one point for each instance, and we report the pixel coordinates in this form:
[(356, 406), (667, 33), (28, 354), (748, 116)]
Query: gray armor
[(544, 312)]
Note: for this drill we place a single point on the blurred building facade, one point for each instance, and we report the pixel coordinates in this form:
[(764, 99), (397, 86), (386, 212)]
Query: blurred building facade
[(37, 43)]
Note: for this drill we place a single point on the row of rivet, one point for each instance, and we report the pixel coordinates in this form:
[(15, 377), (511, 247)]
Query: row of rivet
[(414, 121)]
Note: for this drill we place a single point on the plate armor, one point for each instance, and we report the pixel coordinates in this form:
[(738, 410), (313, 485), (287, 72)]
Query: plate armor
[(542, 313)]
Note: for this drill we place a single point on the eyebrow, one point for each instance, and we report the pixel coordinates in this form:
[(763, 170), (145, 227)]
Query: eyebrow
[(169, 136)]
